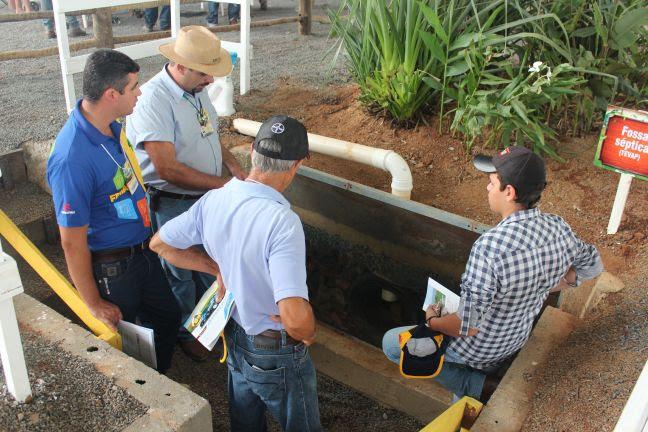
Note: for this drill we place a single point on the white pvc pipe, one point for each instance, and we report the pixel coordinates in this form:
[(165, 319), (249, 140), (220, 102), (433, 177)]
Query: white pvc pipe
[(387, 160)]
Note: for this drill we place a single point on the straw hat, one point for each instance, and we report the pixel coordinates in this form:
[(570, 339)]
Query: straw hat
[(199, 49)]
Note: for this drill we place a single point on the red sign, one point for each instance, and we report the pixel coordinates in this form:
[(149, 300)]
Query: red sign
[(625, 145)]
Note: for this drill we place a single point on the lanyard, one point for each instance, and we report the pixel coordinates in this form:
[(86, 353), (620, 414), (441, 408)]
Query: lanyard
[(127, 148), (110, 156), (200, 112)]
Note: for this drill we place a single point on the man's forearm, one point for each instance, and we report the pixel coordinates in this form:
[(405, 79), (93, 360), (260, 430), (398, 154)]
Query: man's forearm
[(190, 259), (449, 325), (231, 163), (298, 318), (79, 264), (186, 177)]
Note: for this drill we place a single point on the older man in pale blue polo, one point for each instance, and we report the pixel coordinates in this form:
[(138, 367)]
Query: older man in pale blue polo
[(174, 129), (257, 243)]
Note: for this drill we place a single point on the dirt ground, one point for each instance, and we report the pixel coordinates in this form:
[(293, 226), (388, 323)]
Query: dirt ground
[(595, 371)]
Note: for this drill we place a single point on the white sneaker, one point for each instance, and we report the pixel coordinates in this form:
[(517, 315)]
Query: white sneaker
[(212, 25)]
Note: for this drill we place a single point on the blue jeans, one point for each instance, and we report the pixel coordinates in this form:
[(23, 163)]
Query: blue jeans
[(151, 16), (454, 376), (137, 285), (282, 380), (187, 286), (233, 11), (71, 20)]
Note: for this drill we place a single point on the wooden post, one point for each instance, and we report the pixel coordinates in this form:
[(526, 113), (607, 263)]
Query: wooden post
[(305, 17), (102, 24)]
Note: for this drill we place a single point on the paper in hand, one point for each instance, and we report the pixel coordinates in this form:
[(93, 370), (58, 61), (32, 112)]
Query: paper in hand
[(437, 293)]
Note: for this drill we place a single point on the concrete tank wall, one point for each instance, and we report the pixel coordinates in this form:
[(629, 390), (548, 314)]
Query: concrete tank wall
[(361, 241)]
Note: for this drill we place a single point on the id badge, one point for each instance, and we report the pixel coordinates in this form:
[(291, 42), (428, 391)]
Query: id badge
[(206, 127), (129, 176)]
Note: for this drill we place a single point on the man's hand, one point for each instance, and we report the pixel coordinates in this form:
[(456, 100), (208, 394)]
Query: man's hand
[(221, 288), (296, 315), (106, 312), (433, 311), (232, 164), (237, 172)]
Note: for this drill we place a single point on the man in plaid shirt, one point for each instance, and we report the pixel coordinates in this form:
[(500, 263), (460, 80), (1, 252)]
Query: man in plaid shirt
[(511, 270)]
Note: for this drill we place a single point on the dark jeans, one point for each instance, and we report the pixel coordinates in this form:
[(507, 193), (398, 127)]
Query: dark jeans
[(187, 286), (281, 380), (137, 285), (233, 11), (151, 16)]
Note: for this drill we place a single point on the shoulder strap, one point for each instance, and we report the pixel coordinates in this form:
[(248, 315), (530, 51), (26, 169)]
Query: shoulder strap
[(130, 155)]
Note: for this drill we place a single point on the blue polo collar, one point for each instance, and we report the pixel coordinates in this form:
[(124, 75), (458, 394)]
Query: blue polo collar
[(93, 134), (165, 78)]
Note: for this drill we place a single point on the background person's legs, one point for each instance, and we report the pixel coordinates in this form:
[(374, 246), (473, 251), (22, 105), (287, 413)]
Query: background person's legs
[(71, 20), (233, 12), (212, 14), (165, 18), (455, 376), (150, 18)]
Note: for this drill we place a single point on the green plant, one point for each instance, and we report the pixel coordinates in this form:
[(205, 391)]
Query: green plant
[(465, 60), (512, 108), (386, 55)]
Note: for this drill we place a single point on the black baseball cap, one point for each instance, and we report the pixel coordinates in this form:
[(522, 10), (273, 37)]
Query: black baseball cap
[(289, 133), (517, 166)]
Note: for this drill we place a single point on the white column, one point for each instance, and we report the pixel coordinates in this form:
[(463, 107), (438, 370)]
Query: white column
[(175, 18), (244, 54), (11, 351), (64, 55)]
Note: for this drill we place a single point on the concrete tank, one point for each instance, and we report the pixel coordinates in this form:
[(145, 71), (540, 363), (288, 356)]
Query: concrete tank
[(369, 253)]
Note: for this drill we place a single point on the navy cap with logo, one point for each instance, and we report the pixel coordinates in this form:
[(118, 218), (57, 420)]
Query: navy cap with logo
[(517, 166), (289, 133)]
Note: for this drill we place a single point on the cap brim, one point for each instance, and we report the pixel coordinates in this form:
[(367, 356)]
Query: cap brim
[(222, 68), (484, 163)]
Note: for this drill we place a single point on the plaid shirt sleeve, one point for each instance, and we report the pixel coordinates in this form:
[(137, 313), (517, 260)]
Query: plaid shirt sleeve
[(478, 286), (588, 262)]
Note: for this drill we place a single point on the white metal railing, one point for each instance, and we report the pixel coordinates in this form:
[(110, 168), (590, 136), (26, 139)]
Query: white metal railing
[(71, 65), (11, 350)]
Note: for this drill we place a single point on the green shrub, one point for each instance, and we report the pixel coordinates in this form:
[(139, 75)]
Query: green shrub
[(469, 62)]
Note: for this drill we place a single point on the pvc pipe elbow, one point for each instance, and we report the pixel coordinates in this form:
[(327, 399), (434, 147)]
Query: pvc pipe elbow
[(402, 183)]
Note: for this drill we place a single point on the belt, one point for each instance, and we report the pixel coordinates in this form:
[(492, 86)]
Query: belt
[(272, 338), (110, 255), (172, 195)]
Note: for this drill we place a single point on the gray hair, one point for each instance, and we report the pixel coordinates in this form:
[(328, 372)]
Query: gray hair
[(267, 164)]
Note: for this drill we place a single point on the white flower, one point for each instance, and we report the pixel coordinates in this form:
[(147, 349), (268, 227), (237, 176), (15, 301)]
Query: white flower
[(535, 67), (549, 74)]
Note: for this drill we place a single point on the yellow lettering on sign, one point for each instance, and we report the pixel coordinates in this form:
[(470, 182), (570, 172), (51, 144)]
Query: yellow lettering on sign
[(116, 195)]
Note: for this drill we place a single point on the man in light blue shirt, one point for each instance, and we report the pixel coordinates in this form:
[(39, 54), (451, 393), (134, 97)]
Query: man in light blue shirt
[(256, 242), (174, 130)]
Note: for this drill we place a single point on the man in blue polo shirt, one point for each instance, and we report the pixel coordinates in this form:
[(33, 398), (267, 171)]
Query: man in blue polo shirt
[(251, 234), (101, 207)]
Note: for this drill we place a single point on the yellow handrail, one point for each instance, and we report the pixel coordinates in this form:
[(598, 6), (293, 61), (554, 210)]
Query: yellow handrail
[(55, 280)]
